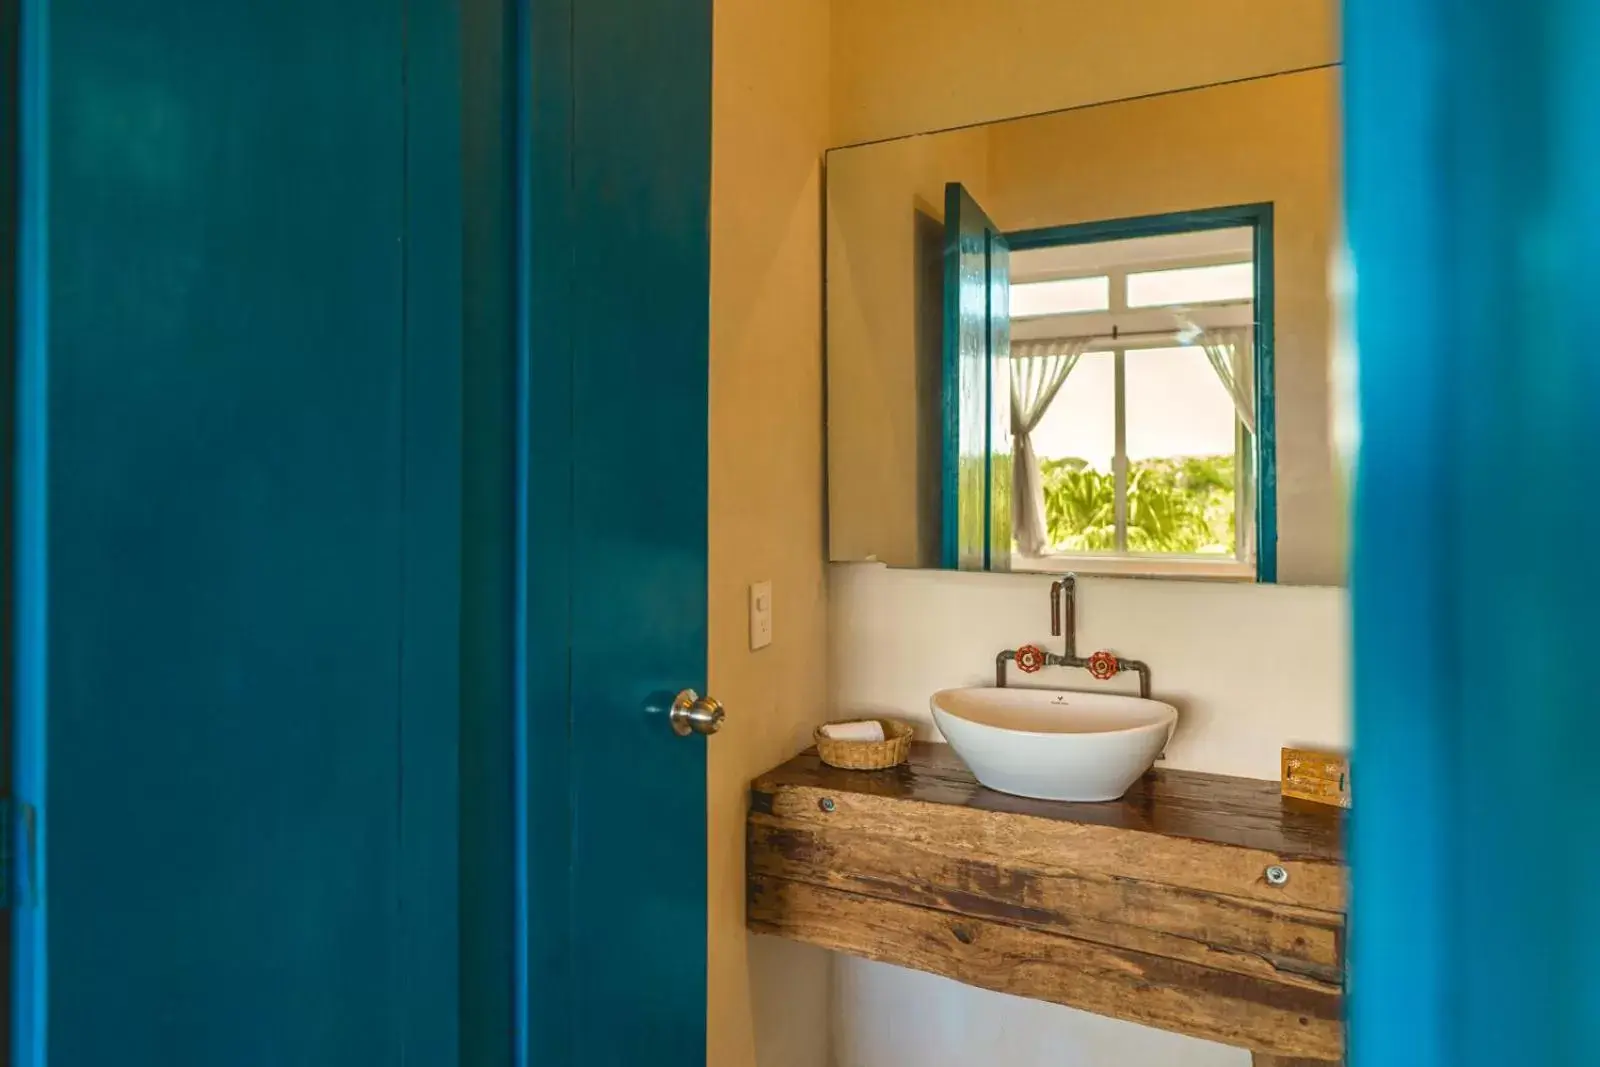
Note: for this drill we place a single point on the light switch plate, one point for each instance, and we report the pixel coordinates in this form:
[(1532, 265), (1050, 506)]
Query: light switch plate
[(760, 615)]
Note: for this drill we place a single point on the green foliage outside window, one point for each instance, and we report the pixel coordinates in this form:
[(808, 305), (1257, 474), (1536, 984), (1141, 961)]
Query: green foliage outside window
[(1180, 505)]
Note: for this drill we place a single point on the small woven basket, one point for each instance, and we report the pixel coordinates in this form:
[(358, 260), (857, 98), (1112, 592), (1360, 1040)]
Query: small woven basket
[(867, 755)]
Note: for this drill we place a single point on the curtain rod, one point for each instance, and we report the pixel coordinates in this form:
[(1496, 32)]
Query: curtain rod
[(1117, 335)]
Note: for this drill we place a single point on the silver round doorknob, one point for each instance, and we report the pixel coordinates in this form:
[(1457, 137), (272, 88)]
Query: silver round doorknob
[(695, 714)]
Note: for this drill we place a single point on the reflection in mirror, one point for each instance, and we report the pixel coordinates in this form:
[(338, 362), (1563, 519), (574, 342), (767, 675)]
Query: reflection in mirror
[(1133, 407), (1095, 340)]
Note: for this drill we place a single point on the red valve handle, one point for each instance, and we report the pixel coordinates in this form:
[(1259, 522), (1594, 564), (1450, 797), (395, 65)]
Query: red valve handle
[(1103, 665), (1030, 659)]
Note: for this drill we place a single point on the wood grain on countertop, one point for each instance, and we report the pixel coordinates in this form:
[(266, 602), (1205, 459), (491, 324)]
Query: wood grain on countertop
[(1156, 908)]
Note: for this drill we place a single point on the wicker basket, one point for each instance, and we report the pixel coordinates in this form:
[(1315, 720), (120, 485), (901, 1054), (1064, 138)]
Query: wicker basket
[(867, 755)]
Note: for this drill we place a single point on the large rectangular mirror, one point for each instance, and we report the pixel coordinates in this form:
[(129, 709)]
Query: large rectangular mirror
[(1095, 340)]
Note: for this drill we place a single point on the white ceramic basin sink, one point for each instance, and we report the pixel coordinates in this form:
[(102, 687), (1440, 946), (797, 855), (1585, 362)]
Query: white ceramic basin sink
[(1054, 745)]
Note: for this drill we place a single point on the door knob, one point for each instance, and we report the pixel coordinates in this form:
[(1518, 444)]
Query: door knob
[(695, 714)]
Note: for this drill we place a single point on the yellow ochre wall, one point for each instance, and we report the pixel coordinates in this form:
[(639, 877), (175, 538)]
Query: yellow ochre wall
[(910, 66), (766, 999)]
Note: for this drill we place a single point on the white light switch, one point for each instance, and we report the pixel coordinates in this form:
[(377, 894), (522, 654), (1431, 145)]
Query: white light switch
[(760, 615)]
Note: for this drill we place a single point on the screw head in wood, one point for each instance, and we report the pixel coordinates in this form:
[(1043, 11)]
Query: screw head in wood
[(1276, 875), (826, 804)]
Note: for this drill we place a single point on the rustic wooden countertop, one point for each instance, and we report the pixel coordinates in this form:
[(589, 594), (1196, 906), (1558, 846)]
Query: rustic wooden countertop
[(1197, 903)]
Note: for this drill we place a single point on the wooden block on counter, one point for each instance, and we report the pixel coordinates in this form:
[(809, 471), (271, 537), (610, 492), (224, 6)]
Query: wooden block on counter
[(1321, 777)]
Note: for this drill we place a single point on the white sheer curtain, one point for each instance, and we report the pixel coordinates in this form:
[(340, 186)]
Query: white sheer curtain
[(1232, 356), (1038, 370)]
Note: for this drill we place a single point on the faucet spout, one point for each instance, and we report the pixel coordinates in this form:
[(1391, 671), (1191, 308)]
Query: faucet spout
[(1064, 624), (1064, 614)]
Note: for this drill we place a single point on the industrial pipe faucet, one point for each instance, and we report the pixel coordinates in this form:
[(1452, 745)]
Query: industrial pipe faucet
[(1064, 624)]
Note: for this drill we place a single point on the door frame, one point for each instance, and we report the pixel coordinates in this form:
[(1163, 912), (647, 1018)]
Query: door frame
[(10, 161)]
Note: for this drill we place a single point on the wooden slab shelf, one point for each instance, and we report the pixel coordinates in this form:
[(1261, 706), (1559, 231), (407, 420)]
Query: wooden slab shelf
[(1158, 908)]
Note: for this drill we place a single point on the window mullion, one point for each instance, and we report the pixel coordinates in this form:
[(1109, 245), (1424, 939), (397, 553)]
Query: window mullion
[(1243, 478), (1119, 462)]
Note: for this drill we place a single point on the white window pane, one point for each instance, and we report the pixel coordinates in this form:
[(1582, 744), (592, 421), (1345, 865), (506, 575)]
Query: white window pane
[(1191, 285), (1076, 442), (1181, 429), (1062, 297)]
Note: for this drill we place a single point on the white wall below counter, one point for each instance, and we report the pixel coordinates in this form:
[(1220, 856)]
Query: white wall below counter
[(889, 1017), (1250, 668)]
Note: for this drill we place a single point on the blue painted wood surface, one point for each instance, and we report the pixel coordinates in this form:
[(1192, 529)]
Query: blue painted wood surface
[(237, 534), (491, 539), (10, 250), (639, 302), (1265, 337), (546, 231), (415, 496), (1473, 213), (977, 422), (588, 170), (587, 261), (433, 638)]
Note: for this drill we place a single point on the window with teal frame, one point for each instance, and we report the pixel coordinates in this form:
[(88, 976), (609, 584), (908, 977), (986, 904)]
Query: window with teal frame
[(1138, 374)]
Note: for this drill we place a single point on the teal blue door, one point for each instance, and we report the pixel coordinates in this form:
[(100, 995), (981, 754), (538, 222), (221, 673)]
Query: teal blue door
[(616, 197), (1473, 213), (359, 531), (977, 387), (237, 453)]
